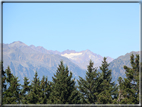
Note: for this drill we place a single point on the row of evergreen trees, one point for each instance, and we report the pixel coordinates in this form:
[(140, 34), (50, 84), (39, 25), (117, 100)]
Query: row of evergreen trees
[(95, 88)]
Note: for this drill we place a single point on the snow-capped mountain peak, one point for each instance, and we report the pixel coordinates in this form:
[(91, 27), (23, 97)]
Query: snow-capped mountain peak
[(71, 55)]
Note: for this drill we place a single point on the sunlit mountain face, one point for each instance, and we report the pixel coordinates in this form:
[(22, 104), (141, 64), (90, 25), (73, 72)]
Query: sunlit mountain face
[(82, 58), (24, 60)]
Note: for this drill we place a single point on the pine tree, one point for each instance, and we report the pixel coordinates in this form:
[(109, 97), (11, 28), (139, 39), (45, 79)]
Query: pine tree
[(106, 90), (121, 85), (63, 88), (3, 79), (25, 91), (12, 93), (34, 96), (46, 90), (43, 99), (87, 86), (129, 87)]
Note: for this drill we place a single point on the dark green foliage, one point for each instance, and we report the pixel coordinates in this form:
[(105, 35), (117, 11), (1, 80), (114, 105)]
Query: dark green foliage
[(45, 90), (43, 98), (106, 91), (63, 88), (25, 91), (87, 87), (34, 97), (11, 95), (129, 87), (96, 88), (3, 79), (120, 97)]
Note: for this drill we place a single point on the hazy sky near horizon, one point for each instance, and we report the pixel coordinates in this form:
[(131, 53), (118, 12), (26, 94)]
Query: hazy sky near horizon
[(107, 29)]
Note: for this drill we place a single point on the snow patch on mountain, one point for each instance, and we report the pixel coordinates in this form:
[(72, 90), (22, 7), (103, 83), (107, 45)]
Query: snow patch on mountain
[(71, 55)]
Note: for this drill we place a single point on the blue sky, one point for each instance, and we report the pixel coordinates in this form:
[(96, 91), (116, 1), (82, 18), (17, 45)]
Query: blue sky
[(107, 29)]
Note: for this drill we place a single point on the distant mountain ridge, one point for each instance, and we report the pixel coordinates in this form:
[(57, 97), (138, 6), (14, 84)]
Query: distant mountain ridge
[(82, 58), (24, 60), (117, 65)]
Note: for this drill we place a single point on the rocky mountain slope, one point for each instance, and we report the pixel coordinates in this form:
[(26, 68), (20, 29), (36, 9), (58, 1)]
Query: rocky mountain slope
[(82, 58), (24, 60), (117, 65), (79, 58)]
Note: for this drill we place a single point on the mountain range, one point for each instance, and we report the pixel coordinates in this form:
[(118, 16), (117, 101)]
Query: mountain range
[(24, 60)]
